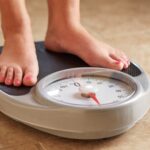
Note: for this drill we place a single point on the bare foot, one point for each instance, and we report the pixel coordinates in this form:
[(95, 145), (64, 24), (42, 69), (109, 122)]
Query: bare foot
[(76, 40), (18, 62)]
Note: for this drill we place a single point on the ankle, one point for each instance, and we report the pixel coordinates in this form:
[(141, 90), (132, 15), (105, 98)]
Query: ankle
[(63, 29), (15, 27)]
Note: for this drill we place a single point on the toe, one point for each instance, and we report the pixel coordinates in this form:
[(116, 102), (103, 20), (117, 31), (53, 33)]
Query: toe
[(121, 57), (17, 76), (9, 76), (128, 63), (114, 64), (125, 62), (3, 70), (108, 62), (30, 78), (124, 59)]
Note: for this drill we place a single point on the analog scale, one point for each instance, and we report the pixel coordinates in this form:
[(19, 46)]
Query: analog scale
[(74, 100)]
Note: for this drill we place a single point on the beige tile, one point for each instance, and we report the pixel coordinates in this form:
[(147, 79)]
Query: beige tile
[(115, 18), (39, 16), (14, 133), (29, 146)]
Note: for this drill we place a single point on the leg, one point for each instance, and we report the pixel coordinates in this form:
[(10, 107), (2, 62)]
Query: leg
[(66, 34), (18, 62)]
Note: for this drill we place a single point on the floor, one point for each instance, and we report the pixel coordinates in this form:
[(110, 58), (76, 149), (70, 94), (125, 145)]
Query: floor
[(124, 24)]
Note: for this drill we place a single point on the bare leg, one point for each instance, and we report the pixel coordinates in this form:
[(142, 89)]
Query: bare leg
[(18, 62), (66, 34)]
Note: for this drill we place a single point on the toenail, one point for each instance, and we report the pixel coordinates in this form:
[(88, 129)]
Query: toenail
[(17, 82), (8, 81), (117, 62), (28, 78)]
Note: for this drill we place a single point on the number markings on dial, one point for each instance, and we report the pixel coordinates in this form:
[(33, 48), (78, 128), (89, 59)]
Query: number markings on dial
[(107, 91)]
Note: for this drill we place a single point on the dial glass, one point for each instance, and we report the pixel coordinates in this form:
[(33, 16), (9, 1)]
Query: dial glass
[(88, 91)]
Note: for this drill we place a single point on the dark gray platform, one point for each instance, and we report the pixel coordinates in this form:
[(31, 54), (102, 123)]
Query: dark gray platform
[(50, 62)]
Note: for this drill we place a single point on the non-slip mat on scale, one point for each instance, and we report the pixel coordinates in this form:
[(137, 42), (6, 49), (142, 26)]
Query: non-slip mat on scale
[(50, 62)]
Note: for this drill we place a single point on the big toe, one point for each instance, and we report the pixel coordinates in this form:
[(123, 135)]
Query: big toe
[(30, 78), (114, 64), (122, 58)]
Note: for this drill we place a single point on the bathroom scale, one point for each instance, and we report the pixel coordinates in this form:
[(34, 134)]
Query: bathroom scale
[(74, 100)]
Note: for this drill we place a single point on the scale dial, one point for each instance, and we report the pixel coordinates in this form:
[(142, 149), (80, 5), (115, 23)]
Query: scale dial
[(87, 88)]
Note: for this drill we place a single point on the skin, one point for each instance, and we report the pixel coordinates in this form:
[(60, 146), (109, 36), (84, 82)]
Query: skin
[(18, 61)]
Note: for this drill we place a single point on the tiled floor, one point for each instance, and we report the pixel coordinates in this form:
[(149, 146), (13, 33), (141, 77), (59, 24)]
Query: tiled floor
[(124, 24)]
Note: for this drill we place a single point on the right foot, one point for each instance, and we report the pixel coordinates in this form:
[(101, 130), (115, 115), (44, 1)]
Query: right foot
[(18, 61), (76, 40)]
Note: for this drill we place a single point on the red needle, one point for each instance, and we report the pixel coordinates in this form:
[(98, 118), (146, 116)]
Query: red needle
[(93, 96)]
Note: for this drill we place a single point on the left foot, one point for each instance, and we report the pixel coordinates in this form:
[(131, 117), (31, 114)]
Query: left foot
[(76, 40)]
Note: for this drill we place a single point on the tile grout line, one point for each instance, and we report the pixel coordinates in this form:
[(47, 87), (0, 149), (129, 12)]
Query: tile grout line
[(42, 146)]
